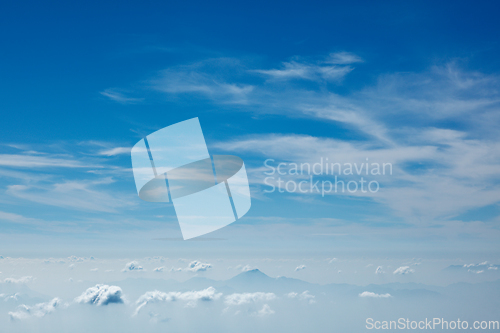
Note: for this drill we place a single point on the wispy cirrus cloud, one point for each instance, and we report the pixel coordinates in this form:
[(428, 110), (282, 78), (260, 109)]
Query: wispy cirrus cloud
[(16, 218), (453, 165), (402, 119), (75, 194), (115, 151), (120, 97), (41, 161), (343, 58), (296, 70), (332, 68), (302, 296), (199, 79)]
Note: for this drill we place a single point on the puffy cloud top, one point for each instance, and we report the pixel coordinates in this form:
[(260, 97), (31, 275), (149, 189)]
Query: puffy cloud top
[(245, 298), (132, 266), (374, 295), (76, 259), (299, 268), (403, 270), (209, 294), (101, 295), (38, 310), (196, 266), (265, 311), (304, 296)]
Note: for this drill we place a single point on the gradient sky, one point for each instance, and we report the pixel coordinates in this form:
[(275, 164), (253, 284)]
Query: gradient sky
[(412, 84)]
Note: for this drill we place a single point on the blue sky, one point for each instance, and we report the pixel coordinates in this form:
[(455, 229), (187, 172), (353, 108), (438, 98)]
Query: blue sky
[(412, 84)]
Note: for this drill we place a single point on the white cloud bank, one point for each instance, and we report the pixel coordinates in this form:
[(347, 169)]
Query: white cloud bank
[(374, 295), (245, 298), (209, 294)]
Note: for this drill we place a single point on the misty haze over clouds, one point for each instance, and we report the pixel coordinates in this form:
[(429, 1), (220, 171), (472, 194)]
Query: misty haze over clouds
[(76, 292)]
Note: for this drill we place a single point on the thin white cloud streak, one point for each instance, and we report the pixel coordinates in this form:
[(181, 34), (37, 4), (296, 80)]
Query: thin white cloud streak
[(76, 194), (16, 218), (195, 79), (31, 161), (332, 68), (442, 92), (120, 97), (43, 183), (115, 151), (296, 70), (343, 58)]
